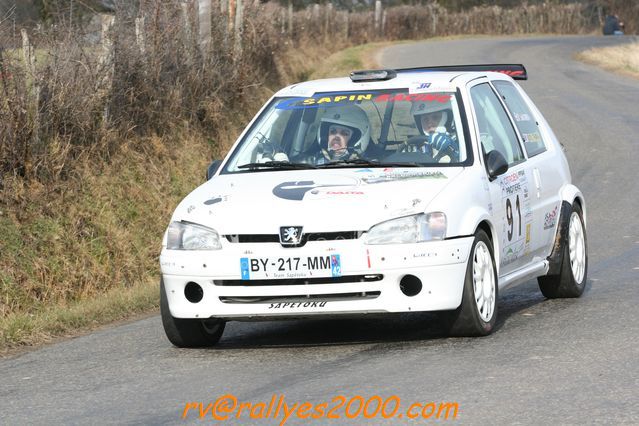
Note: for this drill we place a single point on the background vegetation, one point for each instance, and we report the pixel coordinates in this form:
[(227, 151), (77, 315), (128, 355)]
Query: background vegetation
[(107, 123)]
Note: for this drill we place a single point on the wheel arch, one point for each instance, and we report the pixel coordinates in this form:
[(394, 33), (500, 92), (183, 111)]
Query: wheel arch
[(475, 219), (488, 228), (571, 194)]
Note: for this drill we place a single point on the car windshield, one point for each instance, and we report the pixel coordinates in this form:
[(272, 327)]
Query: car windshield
[(354, 129)]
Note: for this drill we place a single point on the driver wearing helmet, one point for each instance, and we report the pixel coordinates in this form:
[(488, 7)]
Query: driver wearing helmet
[(432, 120), (343, 134)]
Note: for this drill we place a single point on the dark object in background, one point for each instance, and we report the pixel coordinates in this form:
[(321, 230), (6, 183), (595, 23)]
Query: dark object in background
[(612, 25)]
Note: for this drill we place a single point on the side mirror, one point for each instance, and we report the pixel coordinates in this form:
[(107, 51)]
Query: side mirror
[(213, 168), (495, 164)]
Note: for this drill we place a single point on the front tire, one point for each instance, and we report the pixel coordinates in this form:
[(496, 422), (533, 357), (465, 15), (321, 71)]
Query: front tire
[(572, 277), (188, 333), (477, 314)]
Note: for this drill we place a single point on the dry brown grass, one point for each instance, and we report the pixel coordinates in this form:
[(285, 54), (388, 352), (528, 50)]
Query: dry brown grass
[(83, 251), (622, 59)]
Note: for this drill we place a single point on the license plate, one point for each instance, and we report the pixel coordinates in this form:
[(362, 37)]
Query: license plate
[(290, 267)]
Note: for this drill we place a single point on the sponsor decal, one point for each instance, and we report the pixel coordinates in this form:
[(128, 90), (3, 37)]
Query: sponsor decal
[(512, 73), (293, 305), (212, 201), (426, 254), (344, 193), (318, 101), (296, 190), (521, 117), (550, 218), (391, 175), (512, 252), (517, 219), (352, 97), (531, 137), (216, 199), (414, 97)]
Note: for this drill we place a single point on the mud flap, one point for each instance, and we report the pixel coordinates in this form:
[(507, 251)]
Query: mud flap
[(556, 256)]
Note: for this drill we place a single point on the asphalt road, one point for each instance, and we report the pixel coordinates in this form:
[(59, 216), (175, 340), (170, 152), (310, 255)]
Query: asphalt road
[(549, 361)]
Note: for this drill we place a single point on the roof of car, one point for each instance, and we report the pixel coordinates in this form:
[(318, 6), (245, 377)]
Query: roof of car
[(438, 80)]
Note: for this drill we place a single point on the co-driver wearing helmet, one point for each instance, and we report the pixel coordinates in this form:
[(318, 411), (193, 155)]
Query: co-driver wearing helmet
[(343, 134), (431, 119)]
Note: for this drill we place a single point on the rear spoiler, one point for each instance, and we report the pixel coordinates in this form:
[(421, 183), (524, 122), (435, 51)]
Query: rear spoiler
[(516, 71)]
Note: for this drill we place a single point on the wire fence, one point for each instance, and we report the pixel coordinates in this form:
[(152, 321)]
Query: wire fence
[(74, 91)]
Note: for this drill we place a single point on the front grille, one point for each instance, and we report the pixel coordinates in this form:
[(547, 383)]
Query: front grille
[(303, 281), (275, 238), (302, 298)]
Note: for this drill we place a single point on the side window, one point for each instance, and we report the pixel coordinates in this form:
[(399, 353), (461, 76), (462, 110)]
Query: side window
[(524, 120), (495, 129)]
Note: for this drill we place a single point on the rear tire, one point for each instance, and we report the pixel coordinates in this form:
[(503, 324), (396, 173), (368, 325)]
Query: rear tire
[(572, 277), (477, 314), (188, 333)]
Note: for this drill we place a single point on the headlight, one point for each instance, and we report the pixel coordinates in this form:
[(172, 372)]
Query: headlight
[(409, 229), (189, 236)]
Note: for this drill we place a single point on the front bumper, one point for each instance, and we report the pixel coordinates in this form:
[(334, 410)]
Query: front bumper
[(369, 283)]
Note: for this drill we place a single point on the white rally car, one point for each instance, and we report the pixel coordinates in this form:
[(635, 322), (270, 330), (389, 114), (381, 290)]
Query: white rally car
[(410, 190)]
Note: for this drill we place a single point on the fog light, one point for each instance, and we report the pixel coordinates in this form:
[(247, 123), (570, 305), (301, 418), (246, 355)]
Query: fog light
[(193, 292)]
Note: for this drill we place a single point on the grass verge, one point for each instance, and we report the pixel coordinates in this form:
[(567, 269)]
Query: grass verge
[(81, 253), (622, 59), (73, 318)]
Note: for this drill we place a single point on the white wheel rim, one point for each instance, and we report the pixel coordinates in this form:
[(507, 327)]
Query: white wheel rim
[(577, 248), (483, 281)]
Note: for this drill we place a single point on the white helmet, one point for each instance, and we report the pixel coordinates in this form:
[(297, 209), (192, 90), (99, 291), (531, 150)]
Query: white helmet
[(421, 108), (350, 116)]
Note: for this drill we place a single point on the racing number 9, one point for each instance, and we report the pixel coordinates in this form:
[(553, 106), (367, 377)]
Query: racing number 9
[(509, 216)]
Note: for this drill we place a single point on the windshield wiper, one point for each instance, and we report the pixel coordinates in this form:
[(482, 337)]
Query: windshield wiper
[(282, 165), (360, 162)]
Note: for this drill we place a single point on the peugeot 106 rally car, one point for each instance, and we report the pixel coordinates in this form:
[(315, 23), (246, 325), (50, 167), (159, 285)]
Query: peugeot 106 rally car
[(428, 189)]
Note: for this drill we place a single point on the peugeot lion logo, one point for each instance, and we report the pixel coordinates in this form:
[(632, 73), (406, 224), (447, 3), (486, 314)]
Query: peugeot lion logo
[(290, 235)]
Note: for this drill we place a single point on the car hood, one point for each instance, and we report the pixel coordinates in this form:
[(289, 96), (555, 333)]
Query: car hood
[(319, 200)]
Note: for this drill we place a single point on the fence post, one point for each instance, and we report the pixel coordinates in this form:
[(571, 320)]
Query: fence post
[(317, 26), (33, 93), (106, 60), (204, 24), (378, 15), (238, 27), (189, 31), (290, 18), (346, 21), (283, 23), (383, 22), (140, 36), (327, 18), (232, 10), (434, 27)]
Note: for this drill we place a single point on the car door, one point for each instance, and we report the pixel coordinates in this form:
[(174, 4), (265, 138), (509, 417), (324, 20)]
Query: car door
[(511, 192), (545, 199)]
